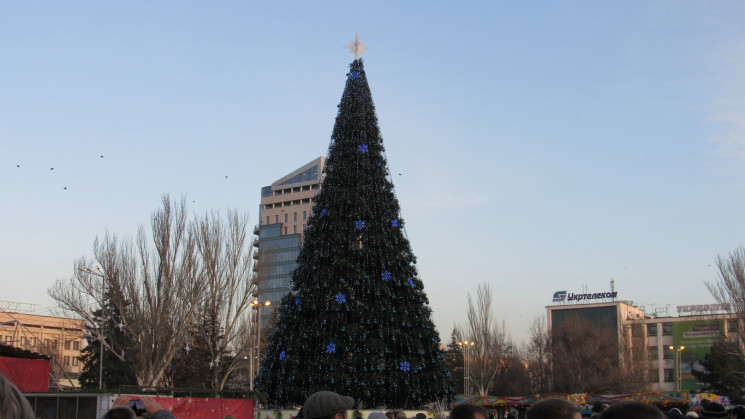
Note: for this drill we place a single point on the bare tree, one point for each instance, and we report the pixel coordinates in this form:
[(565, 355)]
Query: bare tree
[(635, 365), (538, 356), (227, 273), (159, 292), (729, 289), (585, 359), (490, 338)]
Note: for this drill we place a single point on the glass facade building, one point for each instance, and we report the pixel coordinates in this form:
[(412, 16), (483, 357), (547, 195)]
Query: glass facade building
[(283, 216)]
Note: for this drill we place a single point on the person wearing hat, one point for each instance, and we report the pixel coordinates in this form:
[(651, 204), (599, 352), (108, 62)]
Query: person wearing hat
[(713, 411), (327, 405)]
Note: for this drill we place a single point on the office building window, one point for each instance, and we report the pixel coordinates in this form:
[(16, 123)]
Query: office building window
[(652, 329), (305, 215), (76, 346), (667, 353), (66, 361), (8, 338), (294, 216), (669, 376), (294, 229), (32, 341), (667, 329), (653, 352), (732, 325), (267, 219), (23, 340), (654, 376), (286, 217), (75, 361), (54, 344), (276, 219), (285, 230), (47, 343), (68, 343)]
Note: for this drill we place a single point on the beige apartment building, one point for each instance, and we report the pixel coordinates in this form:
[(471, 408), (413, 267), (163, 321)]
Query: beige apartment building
[(58, 337), (286, 206)]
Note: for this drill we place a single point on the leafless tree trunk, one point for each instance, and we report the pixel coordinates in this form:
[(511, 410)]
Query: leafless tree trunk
[(729, 289), (227, 273), (538, 356), (635, 364), (202, 268), (585, 359), (490, 338)]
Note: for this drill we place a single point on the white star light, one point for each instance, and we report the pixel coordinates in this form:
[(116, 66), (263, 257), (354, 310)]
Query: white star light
[(356, 46)]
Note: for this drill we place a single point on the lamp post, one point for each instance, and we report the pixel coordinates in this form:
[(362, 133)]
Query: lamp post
[(103, 318), (677, 364), (257, 305), (466, 346)]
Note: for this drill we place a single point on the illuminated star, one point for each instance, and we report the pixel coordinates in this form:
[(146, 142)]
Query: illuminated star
[(187, 349), (120, 326), (356, 47)]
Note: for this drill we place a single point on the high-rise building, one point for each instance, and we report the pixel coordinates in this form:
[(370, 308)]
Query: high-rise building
[(283, 216)]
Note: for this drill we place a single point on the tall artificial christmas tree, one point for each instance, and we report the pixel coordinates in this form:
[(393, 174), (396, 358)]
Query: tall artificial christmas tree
[(357, 321)]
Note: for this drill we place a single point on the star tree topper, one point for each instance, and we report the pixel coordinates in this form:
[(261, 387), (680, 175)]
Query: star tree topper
[(356, 46)]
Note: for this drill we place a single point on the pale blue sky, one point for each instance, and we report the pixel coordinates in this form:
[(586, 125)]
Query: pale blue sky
[(542, 146)]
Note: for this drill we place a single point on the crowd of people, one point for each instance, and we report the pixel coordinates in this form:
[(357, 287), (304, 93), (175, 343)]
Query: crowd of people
[(330, 405)]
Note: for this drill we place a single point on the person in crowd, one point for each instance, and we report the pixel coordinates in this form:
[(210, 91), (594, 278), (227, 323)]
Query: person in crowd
[(468, 411), (737, 412), (390, 414), (13, 405), (674, 413), (377, 415), (691, 414), (441, 415), (420, 415), (327, 405), (713, 410), (120, 409), (633, 410), (554, 409), (401, 415)]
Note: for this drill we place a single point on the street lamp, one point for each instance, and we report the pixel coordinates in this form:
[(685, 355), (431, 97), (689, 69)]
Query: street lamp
[(677, 364), (103, 317), (466, 346), (257, 306)]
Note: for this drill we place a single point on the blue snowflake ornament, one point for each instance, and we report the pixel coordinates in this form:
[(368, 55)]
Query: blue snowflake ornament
[(362, 148), (386, 276), (359, 224), (282, 355), (404, 366), (297, 301), (411, 282), (394, 223), (341, 298), (323, 211), (331, 348), (354, 74)]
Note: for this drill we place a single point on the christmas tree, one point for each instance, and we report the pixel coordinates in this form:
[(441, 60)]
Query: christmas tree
[(357, 321)]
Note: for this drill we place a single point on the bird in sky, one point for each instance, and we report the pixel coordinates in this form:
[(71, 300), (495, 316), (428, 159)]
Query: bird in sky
[(51, 168)]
